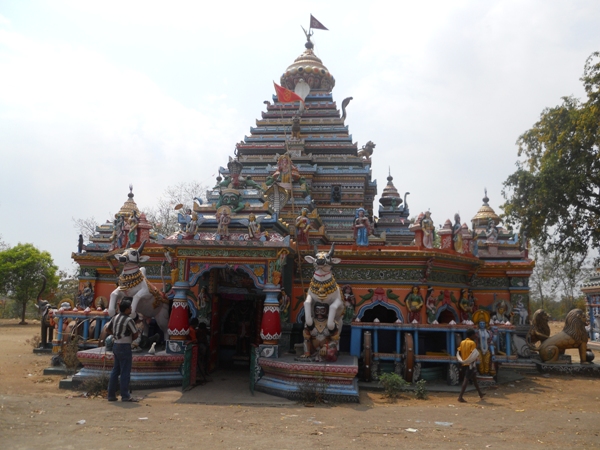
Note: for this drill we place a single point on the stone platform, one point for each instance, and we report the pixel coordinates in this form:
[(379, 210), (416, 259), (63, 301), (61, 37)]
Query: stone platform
[(148, 371), (590, 369), (299, 380)]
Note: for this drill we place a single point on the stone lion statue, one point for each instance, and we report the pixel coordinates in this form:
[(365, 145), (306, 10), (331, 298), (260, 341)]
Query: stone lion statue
[(573, 335), (540, 330), (367, 150)]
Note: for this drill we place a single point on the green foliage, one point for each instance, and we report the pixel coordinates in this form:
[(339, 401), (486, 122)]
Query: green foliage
[(22, 269), (553, 195), (421, 390), (393, 385)]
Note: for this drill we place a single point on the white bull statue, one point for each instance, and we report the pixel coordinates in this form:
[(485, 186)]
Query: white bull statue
[(147, 300), (323, 309)]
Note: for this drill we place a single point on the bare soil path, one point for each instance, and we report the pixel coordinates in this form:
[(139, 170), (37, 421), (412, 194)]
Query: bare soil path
[(536, 412)]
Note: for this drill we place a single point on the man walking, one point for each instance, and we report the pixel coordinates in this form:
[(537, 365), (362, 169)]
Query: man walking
[(467, 354), (124, 330)]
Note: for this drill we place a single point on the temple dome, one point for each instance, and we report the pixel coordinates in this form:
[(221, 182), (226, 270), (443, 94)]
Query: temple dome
[(485, 213), (129, 206), (390, 193), (310, 68)]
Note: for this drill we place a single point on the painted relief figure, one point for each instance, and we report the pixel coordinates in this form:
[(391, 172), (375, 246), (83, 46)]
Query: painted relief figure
[(485, 342), (431, 304), (349, 303), (414, 303)]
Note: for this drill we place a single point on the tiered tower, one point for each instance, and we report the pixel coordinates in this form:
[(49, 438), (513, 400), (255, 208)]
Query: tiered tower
[(331, 177)]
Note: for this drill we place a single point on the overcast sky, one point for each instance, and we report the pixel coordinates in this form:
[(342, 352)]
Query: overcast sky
[(97, 95)]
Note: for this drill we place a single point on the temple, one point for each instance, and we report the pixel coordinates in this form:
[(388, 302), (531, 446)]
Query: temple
[(299, 186)]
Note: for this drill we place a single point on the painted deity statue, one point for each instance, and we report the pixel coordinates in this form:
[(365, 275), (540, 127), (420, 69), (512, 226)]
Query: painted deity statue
[(414, 303), (492, 231), (286, 171), (465, 306), (431, 304), (302, 227), (485, 343), (349, 303), (284, 306), (133, 225), (319, 340), (457, 238), (362, 228), (254, 232), (204, 306), (117, 236), (86, 297), (428, 230), (224, 219), (502, 312)]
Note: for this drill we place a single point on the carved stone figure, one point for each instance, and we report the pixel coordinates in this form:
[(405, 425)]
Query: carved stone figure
[(573, 335), (367, 150), (296, 127), (133, 283), (362, 228), (540, 330), (428, 230), (325, 292)]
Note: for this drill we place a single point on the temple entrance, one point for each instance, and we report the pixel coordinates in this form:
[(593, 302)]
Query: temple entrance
[(235, 318)]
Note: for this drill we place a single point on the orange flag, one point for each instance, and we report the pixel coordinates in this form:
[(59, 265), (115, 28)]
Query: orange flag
[(285, 95)]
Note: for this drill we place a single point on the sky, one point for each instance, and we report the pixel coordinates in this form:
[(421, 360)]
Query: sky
[(95, 96)]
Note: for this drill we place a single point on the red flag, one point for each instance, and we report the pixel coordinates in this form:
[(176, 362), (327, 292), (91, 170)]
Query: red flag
[(314, 23), (285, 95)]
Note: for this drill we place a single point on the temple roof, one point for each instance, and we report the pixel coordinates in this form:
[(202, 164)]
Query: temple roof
[(389, 193), (485, 213), (129, 206), (310, 68)]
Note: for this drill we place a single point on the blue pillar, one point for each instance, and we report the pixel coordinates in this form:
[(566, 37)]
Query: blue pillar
[(356, 334)]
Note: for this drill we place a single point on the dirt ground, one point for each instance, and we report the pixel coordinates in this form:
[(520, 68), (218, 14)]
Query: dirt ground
[(536, 412)]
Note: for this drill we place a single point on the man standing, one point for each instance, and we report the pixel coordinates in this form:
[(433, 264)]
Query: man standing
[(124, 330), (467, 354)]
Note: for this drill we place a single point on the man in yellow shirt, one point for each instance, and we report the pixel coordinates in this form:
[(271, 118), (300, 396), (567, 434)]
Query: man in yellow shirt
[(467, 354)]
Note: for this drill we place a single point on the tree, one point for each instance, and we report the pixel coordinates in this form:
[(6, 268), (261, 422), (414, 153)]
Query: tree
[(543, 281), (163, 216), (86, 227), (22, 269), (555, 193)]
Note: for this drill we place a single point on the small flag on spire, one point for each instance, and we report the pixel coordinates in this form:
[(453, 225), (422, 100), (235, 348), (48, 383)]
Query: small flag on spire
[(285, 95), (315, 24)]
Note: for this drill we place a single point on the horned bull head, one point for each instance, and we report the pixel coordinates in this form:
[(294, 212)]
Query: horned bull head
[(322, 259), (132, 255)]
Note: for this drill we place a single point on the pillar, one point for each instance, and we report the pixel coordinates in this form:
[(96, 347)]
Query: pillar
[(179, 327), (270, 327)]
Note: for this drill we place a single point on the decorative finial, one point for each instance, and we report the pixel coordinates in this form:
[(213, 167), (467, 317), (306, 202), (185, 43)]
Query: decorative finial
[(485, 199), (130, 195)]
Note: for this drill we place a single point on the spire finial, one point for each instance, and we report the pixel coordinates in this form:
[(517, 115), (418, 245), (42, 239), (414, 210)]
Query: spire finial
[(130, 195), (485, 198)]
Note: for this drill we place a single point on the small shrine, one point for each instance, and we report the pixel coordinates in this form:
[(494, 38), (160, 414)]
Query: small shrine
[(293, 276)]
